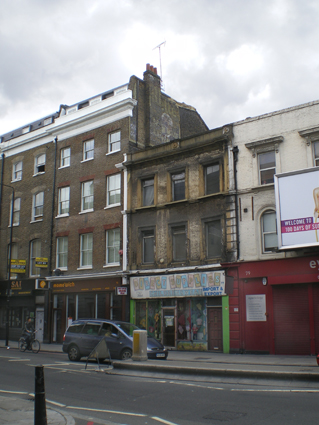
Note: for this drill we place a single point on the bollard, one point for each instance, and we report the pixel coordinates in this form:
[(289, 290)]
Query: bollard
[(139, 345), (40, 413)]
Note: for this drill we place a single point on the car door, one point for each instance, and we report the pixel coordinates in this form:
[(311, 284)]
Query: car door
[(90, 337), (113, 338)]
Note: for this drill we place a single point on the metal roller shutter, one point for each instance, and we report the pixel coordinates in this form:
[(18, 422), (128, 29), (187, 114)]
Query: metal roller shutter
[(316, 315), (291, 319)]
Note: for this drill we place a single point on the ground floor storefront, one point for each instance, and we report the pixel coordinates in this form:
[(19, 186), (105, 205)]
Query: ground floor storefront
[(275, 306), (187, 311)]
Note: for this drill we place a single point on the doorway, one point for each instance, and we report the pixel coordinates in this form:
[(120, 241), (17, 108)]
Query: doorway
[(215, 329), (168, 327)]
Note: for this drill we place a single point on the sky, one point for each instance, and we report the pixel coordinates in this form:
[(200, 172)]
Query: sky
[(230, 59)]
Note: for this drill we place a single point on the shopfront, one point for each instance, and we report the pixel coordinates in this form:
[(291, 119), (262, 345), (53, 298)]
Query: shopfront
[(17, 298), (278, 306), (186, 311), (78, 299)]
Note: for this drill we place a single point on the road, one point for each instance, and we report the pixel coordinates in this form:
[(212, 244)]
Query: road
[(110, 396)]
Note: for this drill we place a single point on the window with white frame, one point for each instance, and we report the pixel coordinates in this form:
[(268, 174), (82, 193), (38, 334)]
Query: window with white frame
[(178, 186), (213, 237), (87, 196), (113, 237), (269, 231), (38, 203), (62, 253), (114, 189), (35, 252), (179, 243), (86, 250), (212, 183), (16, 212), (316, 153), (65, 158), (88, 150), (148, 245), (267, 167), (114, 141), (148, 192), (39, 164), (64, 201), (17, 171)]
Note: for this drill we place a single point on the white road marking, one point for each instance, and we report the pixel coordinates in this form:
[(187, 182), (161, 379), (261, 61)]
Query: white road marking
[(13, 392), (106, 411), (163, 420), (19, 360), (55, 403)]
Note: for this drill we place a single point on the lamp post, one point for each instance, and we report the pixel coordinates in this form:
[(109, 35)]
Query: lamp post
[(9, 266)]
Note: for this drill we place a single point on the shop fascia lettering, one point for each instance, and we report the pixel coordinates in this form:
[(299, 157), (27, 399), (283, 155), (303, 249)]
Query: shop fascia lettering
[(178, 285)]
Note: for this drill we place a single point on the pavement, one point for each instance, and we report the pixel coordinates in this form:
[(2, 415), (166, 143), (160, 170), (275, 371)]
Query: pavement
[(304, 369)]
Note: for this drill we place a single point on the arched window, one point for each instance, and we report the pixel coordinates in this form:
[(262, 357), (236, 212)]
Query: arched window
[(269, 231)]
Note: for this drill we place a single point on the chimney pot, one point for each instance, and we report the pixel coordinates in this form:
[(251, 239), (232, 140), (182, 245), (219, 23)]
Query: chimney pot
[(148, 66), (155, 71)]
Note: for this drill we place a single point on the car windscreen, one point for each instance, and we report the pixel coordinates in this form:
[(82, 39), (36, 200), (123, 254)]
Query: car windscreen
[(128, 328)]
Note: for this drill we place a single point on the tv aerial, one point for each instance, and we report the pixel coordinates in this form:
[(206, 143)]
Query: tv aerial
[(160, 57)]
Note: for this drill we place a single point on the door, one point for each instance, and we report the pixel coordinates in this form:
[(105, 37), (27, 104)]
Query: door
[(169, 327), (39, 322), (215, 329)]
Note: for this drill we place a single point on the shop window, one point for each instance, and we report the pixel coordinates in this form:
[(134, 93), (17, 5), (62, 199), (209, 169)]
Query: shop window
[(64, 201), (65, 158), (62, 253), (17, 171), (213, 233), (114, 142), (86, 250), (178, 186), (148, 316), (86, 306), (267, 167), (191, 319), (88, 150), (39, 164), (87, 196), (212, 180), (35, 252), (148, 192), (148, 241), (116, 307), (37, 210), (269, 231), (113, 190), (112, 246), (179, 243)]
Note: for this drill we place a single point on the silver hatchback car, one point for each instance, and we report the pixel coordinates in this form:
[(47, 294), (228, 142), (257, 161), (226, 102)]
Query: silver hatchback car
[(82, 337)]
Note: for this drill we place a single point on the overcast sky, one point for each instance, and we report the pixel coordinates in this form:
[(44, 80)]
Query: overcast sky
[(230, 59)]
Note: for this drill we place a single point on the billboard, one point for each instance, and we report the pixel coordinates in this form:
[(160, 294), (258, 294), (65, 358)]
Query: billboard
[(297, 204)]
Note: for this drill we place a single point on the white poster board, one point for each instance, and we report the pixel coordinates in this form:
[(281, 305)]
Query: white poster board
[(256, 308)]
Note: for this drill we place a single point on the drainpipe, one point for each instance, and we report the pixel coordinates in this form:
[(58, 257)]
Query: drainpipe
[(53, 204), (1, 184), (235, 153)]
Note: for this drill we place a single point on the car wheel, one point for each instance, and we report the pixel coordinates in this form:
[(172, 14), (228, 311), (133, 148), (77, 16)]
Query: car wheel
[(74, 353), (126, 354)]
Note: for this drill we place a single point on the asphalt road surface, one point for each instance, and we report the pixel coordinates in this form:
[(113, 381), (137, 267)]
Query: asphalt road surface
[(111, 396)]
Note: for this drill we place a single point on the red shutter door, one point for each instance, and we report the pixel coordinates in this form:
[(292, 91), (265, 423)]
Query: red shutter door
[(291, 319), (316, 315)]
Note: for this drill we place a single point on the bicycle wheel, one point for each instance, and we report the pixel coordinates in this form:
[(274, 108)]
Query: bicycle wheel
[(22, 344), (35, 346)]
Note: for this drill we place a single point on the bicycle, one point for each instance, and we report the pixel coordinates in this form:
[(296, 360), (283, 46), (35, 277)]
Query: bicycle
[(34, 344)]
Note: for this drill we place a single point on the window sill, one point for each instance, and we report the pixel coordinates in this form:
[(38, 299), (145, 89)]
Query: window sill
[(112, 206), (110, 153), (86, 211), (85, 268), (16, 180), (36, 221), (38, 174), (111, 265), (63, 166), (14, 225), (62, 215), (87, 160)]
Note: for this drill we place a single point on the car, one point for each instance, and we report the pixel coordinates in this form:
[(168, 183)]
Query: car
[(82, 336)]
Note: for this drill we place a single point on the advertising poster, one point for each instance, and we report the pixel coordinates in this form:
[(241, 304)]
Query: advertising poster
[(297, 202)]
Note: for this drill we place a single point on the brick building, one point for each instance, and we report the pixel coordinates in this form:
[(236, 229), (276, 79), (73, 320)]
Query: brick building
[(67, 170), (181, 227)]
